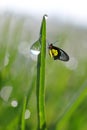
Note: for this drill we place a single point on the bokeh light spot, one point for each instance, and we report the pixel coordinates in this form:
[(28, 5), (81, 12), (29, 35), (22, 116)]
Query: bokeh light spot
[(72, 64), (14, 103), (6, 60), (27, 114), (24, 49), (6, 92)]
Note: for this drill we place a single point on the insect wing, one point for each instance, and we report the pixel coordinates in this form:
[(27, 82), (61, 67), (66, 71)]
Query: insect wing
[(62, 55), (57, 53)]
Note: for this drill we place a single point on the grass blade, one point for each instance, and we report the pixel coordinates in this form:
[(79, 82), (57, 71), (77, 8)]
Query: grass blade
[(23, 114), (74, 103), (41, 78)]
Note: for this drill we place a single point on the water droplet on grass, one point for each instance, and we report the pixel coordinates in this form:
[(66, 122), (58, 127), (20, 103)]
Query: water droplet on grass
[(35, 48), (46, 16)]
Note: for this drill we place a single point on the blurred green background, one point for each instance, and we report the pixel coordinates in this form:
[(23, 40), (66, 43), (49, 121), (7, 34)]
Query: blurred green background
[(66, 83)]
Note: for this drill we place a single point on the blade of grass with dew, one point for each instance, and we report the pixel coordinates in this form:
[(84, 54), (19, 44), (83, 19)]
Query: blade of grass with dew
[(41, 78), (75, 102)]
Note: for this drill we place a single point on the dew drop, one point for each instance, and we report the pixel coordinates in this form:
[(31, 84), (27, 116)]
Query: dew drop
[(35, 48), (46, 16)]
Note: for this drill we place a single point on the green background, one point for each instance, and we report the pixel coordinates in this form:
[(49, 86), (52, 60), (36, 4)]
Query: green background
[(65, 83)]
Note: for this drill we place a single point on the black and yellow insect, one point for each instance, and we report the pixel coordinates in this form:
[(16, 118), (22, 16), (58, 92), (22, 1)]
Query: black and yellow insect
[(57, 53)]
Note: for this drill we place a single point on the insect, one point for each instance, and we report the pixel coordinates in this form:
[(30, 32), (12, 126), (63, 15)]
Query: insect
[(57, 53)]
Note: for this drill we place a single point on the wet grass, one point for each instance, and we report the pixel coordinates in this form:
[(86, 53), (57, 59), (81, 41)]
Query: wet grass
[(65, 98)]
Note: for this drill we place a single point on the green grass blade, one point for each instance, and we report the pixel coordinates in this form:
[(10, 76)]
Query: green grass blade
[(31, 86), (41, 78), (74, 103), (23, 114), (26, 100)]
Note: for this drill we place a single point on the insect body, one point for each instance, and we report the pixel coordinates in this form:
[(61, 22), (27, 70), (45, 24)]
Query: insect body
[(57, 53)]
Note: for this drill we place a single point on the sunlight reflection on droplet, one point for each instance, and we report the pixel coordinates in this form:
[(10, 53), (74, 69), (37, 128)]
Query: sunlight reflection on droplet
[(27, 114), (6, 92), (35, 50), (6, 60), (14, 103), (24, 49), (72, 64), (34, 54)]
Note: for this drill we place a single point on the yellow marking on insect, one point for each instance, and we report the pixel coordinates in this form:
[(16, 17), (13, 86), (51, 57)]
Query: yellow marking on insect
[(50, 52), (54, 52)]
